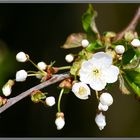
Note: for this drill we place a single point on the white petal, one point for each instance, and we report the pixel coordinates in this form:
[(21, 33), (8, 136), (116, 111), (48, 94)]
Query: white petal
[(111, 74), (87, 65), (86, 72), (102, 59), (98, 84), (85, 77)]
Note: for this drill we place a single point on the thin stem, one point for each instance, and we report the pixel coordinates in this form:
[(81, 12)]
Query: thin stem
[(54, 79), (64, 68), (131, 26), (37, 67), (29, 75), (97, 95), (59, 100), (32, 72)]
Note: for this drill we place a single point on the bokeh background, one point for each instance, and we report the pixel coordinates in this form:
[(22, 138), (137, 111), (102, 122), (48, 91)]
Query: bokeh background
[(40, 30)]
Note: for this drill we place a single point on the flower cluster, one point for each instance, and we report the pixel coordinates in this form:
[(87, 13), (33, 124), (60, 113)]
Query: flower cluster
[(100, 63)]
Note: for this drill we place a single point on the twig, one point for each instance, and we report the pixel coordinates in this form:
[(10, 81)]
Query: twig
[(131, 26), (54, 79)]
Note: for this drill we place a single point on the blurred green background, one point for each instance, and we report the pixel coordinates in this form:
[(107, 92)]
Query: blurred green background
[(40, 30)]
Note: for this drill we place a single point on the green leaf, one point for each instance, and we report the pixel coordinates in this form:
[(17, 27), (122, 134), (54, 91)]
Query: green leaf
[(94, 46), (133, 85), (74, 40), (137, 51), (76, 66), (88, 20), (128, 56), (134, 75), (133, 78)]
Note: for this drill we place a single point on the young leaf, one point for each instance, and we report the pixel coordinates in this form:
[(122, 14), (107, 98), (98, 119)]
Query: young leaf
[(88, 20), (123, 86), (74, 40)]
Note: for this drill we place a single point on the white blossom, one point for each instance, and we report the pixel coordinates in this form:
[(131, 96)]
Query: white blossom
[(59, 123), (21, 57), (100, 121), (21, 75), (98, 71), (50, 101), (69, 58), (42, 65), (120, 49), (81, 90), (102, 107), (85, 43), (135, 42), (106, 99)]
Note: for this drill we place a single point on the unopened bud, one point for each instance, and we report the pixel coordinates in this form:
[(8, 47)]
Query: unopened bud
[(106, 99), (60, 122), (85, 43), (102, 107), (69, 58), (100, 121), (42, 65), (50, 101), (119, 49), (21, 57), (7, 88), (135, 42)]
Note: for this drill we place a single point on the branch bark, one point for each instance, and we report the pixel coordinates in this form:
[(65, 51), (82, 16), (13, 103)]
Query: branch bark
[(131, 26), (54, 79)]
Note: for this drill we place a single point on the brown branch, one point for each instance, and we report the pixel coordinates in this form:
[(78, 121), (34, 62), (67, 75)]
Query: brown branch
[(131, 26), (54, 79)]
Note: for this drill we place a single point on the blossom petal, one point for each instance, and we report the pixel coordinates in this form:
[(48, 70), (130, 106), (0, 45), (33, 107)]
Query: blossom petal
[(111, 74), (102, 59), (98, 84), (85, 72)]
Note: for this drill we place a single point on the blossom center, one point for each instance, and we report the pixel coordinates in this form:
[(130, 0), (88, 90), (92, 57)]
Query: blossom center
[(96, 72), (82, 91)]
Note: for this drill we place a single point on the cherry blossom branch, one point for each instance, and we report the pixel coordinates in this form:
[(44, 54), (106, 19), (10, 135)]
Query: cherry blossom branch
[(131, 26), (54, 79)]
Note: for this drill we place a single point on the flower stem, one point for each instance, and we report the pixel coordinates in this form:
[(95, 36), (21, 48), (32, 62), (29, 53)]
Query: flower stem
[(37, 67), (33, 74), (97, 95), (59, 100), (64, 68)]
